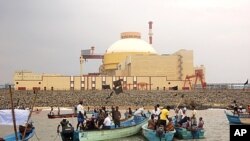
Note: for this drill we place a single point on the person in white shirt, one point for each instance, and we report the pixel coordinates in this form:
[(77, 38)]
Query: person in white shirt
[(194, 112), (80, 114), (179, 115), (139, 112), (156, 113), (107, 122), (80, 108)]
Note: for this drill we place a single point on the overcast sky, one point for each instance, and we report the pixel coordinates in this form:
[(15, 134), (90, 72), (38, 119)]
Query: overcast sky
[(47, 36)]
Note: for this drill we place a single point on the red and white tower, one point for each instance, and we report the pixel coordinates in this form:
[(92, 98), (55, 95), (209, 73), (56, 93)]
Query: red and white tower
[(150, 34)]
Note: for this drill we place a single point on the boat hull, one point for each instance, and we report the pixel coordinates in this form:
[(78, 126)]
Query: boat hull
[(151, 134), (235, 119), (129, 128), (12, 137), (183, 133), (61, 116)]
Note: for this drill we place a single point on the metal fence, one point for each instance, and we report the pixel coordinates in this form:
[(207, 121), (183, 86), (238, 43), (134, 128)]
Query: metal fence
[(233, 86)]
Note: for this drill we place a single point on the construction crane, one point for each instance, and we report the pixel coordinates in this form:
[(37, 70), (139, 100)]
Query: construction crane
[(198, 74), (88, 54)]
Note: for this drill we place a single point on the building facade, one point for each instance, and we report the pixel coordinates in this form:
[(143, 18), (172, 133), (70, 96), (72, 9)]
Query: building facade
[(131, 59)]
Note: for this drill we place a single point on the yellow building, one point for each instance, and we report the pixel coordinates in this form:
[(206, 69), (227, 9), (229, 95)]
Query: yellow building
[(129, 44), (131, 59)]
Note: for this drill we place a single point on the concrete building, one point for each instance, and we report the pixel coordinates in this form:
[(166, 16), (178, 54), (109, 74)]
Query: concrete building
[(131, 59)]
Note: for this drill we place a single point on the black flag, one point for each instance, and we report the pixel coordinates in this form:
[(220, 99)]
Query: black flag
[(246, 82), (118, 89), (117, 82), (118, 86)]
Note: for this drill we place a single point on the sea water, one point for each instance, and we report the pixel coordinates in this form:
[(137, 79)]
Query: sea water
[(216, 126)]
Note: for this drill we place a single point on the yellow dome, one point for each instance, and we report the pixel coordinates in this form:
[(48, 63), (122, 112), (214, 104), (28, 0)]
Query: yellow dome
[(131, 45)]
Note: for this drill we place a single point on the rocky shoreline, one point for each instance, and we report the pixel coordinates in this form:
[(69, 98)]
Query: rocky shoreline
[(202, 99)]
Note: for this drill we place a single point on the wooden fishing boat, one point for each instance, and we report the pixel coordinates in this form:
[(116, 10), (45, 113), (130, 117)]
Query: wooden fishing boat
[(242, 118), (52, 116), (62, 116), (18, 117), (151, 134), (12, 137), (128, 128), (183, 133)]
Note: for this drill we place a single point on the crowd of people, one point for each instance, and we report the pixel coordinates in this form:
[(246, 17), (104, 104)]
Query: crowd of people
[(100, 119), (238, 109), (162, 122)]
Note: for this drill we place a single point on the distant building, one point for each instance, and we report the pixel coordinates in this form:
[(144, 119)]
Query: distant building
[(131, 59)]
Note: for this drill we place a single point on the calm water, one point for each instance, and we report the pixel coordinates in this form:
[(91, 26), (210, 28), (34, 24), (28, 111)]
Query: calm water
[(216, 126)]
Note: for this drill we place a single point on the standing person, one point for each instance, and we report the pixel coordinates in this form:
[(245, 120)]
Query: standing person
[(51, 111), (201, 123), (194, 126), (80, 120), (107, 122), (194, 112), (235, 107), (164, 116), (67, 130), (80, 113), (113, 112), (179, 115), (117, 116), (156, 113), (58, 112), (240, 108), (101, 117), (130, 113), (80, 107)]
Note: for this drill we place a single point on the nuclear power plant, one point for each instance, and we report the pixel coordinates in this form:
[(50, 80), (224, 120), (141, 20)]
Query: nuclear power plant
[(131, 59)]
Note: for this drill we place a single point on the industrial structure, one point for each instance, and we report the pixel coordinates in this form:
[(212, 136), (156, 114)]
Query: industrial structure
[(131, 59)]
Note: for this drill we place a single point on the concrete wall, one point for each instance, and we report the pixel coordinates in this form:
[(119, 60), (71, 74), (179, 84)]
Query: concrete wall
[(96, 82)]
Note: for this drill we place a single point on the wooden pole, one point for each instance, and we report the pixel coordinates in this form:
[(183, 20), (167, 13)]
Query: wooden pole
[(31, 110), (13, 112), (180, 101)]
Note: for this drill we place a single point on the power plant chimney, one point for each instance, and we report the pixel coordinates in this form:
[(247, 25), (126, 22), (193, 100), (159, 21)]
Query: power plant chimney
[(150, 34)]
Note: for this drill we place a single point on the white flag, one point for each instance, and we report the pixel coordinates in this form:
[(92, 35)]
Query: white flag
[(21, 116)]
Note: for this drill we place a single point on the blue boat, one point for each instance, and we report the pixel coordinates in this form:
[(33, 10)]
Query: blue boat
[(12, 137), (238, 119), (151, 134), (183, 133)]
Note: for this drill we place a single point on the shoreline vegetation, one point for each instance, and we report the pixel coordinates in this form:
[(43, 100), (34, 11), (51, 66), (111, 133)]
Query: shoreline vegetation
[(201, 99)]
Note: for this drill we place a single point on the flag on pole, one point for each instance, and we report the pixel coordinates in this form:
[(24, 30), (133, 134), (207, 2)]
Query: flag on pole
[(246, 82), (118, 86), (21, 116)]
